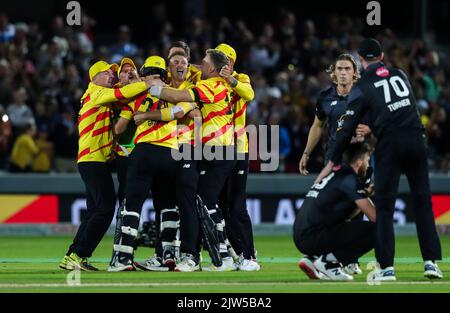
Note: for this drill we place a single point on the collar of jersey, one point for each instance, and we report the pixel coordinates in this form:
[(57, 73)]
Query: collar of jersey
[(375, 65)]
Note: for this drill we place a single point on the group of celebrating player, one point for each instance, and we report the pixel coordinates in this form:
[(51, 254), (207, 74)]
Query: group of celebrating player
[(162, 124)]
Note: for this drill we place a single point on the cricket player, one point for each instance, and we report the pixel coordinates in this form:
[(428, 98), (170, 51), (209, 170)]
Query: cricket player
[(194, 73), (124, 131), (187, 176), (331, 106), (233, 199), (95, 151), (330, 109), (212, 95), (322, 229), (151, 167)]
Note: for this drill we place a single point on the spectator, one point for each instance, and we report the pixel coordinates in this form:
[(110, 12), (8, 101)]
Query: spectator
[(65, 138), (18, 111), (42, 162), (124, 47), (5, 80), (7, 31), (5, 137), (24, 150), (284, 139)]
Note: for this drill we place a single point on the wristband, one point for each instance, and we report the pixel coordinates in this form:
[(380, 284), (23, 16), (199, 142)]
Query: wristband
[(174, 110), (155, 91)]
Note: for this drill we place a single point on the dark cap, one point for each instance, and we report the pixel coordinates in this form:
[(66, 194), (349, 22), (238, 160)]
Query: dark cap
[(370, 48)]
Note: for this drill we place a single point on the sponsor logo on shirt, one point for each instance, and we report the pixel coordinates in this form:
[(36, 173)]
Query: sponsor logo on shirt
[(382, 72)]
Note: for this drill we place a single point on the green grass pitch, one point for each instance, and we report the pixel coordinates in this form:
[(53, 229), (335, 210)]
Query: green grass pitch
[(30, 264)]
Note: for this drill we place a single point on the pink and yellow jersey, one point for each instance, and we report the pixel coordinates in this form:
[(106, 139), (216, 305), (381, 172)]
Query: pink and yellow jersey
[(158, 133), (186, 124), (213, 98), (94, 120), (241, 95)]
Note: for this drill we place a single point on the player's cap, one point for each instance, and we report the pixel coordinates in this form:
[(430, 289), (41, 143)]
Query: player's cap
[(125, 61), (155, 61), (101, 66), (370, 48), (154, 65), (228, 50)]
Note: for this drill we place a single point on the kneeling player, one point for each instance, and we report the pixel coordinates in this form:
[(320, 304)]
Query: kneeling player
[(323, 230)]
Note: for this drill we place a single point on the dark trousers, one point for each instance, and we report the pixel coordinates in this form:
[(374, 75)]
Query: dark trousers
[(213, 175), (186, 185), (397, 152), (150, 167), (121, 168), (347, 241), (100, 202), (233, 203)]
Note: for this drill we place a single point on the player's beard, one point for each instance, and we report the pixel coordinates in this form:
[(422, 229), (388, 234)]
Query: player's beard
[(362, 171)]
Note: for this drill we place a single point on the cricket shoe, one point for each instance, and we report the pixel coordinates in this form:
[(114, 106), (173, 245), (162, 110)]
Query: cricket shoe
[(331, 270), (189, 263), (76, 262), (387, 274), (432, 271), (65, 264), (306, 264), (228, 265), (154, 264), (353, 269), (247, 265), (169, 259), (123, 264)]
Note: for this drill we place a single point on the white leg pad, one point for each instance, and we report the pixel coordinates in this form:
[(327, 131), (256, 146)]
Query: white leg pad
[(124, 249), (129, 231)]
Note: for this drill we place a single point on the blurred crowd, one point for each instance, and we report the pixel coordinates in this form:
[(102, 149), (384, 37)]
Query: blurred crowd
[(43, 74)]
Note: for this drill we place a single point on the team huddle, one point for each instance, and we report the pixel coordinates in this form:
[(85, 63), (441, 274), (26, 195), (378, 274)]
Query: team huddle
[(179, 132), (161, 124)]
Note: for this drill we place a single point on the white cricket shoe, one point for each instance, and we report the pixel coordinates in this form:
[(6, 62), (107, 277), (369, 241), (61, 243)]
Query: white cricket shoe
[(189, 263), (249, 265), (387, 274), (228, 265), (121, 266), (353, 269), (332, 270), (306, 264), (432, 271), (154, 264)]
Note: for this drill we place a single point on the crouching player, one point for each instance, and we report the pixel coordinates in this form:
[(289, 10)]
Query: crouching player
[(323, 230)]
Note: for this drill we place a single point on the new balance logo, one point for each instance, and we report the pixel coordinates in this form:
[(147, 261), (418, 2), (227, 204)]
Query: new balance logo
[(334, 103), (202, 172), (241, 173), (186, 166)]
